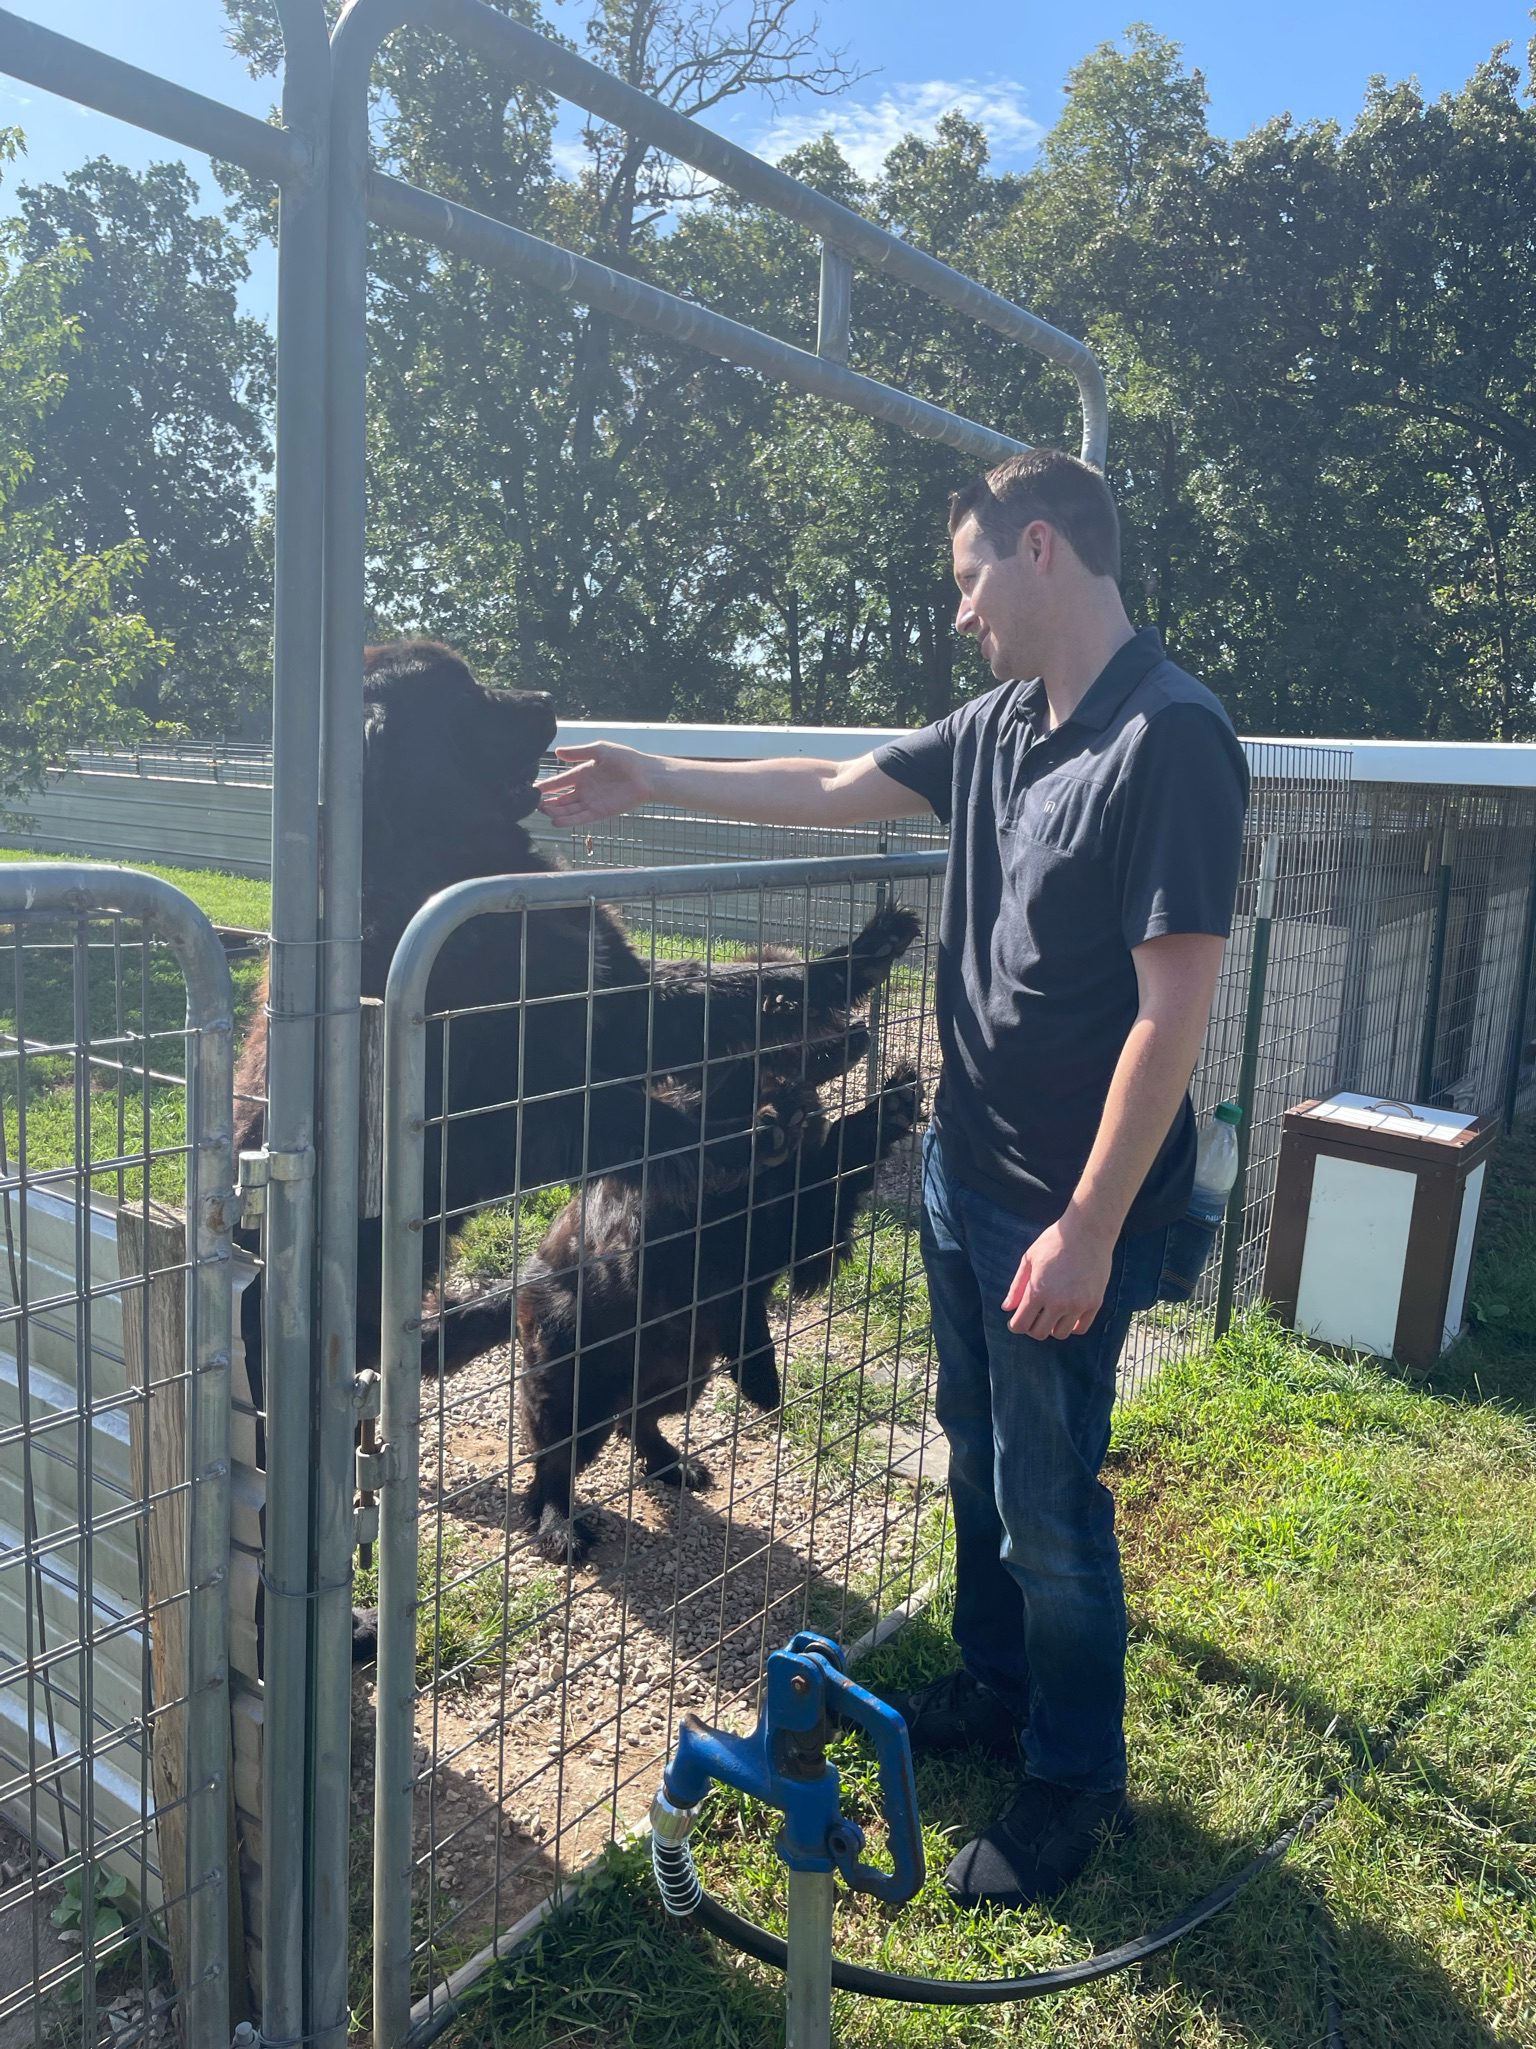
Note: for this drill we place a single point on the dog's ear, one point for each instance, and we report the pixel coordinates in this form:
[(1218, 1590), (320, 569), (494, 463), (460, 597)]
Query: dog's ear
[(417, 674)]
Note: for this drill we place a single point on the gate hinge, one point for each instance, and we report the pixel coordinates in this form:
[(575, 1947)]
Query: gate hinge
[(263, 1166), (376, 1467)]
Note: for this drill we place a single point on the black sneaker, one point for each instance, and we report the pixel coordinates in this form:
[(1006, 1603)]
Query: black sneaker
[(1038, 1847), (957, 1712)]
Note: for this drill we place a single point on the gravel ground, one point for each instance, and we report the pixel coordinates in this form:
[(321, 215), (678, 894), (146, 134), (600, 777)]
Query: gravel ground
[(546, 1740)]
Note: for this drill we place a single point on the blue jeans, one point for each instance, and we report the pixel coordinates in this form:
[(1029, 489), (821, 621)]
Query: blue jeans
[(1039, 1602)]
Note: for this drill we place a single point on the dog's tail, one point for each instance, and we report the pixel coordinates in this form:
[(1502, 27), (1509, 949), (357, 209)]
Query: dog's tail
[(458, 1332)]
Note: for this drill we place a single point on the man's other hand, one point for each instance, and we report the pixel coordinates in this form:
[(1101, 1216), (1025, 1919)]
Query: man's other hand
[(1059, 1287), (598, 781)]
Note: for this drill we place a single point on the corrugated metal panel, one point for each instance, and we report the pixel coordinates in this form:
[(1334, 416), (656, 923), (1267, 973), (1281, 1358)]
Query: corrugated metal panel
[(193, 823), (68, 1413)]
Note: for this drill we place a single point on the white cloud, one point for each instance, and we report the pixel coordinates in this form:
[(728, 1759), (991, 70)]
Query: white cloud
[(570, 155), (867, 130)]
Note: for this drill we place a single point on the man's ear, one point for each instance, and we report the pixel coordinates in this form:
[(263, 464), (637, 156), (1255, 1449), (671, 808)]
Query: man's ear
[(1038, 542)]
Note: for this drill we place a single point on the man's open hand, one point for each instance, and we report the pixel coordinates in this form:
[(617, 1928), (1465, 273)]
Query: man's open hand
[(599, 780), (1059, 1287)]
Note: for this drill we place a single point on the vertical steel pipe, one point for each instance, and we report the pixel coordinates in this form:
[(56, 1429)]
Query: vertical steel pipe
[(405, 1093), (334, 1416), (287, 1279), (1515, 1057), (1430, 1033), (210, 1205), (808, 1971), (834, 311), (1247, 1081)]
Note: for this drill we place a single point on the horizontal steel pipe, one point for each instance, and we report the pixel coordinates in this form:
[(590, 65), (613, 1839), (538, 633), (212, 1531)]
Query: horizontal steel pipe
[(75, 71), (441, 916), (550, 64), (482, 240)]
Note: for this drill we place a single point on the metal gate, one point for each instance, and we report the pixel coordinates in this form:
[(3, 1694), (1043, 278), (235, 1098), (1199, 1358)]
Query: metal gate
[(478, 1637), (116, 1292), (318, 159)]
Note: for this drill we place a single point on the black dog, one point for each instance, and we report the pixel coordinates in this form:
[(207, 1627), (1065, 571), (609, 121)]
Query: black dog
[(449, 773), (449, 770), (628, 1306)]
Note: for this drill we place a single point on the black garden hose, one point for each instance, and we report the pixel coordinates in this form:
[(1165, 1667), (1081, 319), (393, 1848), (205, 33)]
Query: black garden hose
[(673, 1863), (685, 1898)]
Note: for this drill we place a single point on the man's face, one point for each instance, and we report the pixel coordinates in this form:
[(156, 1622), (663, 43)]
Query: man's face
[(997, 600)]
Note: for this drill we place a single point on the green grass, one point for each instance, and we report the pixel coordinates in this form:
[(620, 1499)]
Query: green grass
[(466, 1608), (498, 1242), (857, 1357), (238, 900), (1327, 1563), (133, 1002)]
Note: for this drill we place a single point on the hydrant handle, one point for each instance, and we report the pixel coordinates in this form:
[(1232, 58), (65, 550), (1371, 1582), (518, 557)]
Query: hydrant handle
[(850, 1702)]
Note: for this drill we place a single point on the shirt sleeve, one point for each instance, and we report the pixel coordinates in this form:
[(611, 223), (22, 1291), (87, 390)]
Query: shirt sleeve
[(1178, 846), (924, 761)]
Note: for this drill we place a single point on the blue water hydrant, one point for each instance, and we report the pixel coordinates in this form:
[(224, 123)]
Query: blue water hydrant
[(783, 1763)]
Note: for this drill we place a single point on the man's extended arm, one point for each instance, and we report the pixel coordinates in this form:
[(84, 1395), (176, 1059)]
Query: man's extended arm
[(1061, 1280), (603, 778)]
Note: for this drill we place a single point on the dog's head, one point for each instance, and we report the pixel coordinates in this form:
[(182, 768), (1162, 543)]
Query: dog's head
[(448, 768)]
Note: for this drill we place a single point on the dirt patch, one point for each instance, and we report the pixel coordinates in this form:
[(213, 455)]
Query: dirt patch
[(540, 1738), (35, 1954), (30, 1946)]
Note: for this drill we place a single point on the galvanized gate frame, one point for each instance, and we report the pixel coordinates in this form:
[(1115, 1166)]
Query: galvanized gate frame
[(318, 159), (77, 890), (405, 1089)]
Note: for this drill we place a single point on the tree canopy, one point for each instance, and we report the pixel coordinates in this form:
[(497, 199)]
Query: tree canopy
[(72, 649), (1320, 344)]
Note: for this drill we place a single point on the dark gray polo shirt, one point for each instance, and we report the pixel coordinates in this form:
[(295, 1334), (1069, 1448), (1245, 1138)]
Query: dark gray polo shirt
[(1067, 849)]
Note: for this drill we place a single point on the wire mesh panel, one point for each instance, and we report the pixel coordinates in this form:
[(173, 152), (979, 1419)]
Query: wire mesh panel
[(712, 1422), (115, 1333), (1440, 902), (1299, 831)]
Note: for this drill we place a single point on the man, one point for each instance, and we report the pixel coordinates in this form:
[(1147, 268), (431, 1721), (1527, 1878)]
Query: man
[(1096, 815)]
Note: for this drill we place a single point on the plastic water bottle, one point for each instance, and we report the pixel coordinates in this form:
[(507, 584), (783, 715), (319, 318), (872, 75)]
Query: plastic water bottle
[(1191, 1238)]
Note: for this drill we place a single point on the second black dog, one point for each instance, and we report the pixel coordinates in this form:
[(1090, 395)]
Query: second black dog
[(627, 1308)]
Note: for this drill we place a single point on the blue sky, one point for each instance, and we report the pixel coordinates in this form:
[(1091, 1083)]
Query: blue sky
[(1003, 61)]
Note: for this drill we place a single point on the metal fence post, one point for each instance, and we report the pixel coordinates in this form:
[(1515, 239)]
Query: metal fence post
[(334, 1410), (1430, 1033), (287, 1324), (1522, 1000), (1247, 1079), (405, 1087)]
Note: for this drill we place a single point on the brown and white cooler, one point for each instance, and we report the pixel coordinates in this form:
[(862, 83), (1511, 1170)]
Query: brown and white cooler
[(1375, 1215)]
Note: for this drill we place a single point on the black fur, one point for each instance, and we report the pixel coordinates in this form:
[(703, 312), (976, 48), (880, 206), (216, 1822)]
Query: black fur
[(449, 769), (584, 1370), (448, 776)]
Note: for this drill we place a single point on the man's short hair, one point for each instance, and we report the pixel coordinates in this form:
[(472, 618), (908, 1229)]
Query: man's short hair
[(1043, 483)]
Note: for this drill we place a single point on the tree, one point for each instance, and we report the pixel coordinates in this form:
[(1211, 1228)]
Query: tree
[(71, 651), (1320, 346), (160, 436)]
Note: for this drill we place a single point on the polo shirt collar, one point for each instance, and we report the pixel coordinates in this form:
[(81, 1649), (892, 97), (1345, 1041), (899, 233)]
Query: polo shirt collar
[(1116, 680)]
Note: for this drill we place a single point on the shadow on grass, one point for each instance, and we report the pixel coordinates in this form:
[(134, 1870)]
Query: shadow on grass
[(1214, 1666), (616, 1976)]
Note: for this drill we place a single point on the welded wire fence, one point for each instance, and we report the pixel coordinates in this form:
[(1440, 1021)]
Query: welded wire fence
[(1439, 905), (717, 1426), (115, 1322)]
